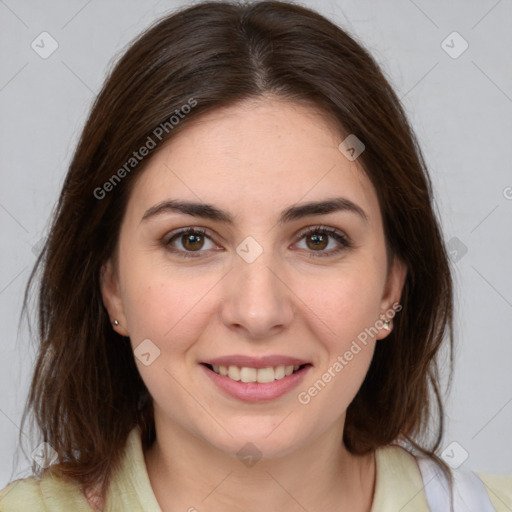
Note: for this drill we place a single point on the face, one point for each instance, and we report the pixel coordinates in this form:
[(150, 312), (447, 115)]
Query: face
[(258, 281)]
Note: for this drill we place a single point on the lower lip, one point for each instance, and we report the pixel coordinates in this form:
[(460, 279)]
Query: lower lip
[(256, 391)]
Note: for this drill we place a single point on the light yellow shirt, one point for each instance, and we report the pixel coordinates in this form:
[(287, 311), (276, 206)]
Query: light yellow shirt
[(398, 487)]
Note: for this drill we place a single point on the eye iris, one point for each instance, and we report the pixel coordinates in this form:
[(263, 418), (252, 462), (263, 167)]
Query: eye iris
[(319, 241), (194, 239)]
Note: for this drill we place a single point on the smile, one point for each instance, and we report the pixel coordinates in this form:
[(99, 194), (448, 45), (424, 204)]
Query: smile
[(255, 380), (261, 375)]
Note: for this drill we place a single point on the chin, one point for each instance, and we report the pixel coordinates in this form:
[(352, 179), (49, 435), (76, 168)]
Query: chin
[(261, 440)]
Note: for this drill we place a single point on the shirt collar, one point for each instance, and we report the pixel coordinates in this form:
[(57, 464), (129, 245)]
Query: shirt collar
[(398, 484)]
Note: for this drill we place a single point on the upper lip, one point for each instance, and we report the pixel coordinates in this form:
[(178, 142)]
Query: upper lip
[(255, 362)]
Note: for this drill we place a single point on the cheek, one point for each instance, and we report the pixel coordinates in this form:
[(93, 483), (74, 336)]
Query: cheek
[(344, 303), (345, 313), (342, 313), (149, 308), (160, 307), (168, 313)]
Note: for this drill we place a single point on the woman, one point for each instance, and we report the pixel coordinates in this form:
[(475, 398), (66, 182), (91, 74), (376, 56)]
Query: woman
[(245, 286)]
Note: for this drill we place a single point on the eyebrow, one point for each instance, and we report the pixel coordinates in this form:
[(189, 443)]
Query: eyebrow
[(208, 211)]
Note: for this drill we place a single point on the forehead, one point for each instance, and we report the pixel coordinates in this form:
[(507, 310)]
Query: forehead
[(255, 156)]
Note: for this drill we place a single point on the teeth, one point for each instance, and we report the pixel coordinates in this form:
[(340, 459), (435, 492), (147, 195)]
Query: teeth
[(261, 375), (279, 372), (266, 375), (248, 374), (234, 372)]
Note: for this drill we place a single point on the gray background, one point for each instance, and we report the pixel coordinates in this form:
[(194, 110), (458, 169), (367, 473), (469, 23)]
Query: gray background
[(461, 109)]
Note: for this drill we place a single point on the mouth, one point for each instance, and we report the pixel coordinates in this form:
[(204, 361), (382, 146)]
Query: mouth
[(248, 374), (252, 379)]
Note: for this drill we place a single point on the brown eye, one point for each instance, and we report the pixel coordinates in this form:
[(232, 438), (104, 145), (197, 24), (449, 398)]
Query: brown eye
[(318, 241), (192, 241), (189, 242)]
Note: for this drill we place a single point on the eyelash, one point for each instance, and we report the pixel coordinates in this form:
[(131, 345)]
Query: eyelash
[(324, 230)]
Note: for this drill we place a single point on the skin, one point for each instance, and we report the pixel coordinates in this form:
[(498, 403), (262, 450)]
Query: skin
[(262, 155)]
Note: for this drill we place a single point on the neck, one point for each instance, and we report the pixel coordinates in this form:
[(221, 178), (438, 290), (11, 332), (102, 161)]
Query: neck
[(186, 473)]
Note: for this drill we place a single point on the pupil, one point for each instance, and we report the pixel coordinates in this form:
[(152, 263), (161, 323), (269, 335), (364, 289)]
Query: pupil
[(318, 240), (189, 239)]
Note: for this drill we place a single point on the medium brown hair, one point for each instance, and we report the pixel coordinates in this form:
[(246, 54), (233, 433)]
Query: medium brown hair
[(86, 393)]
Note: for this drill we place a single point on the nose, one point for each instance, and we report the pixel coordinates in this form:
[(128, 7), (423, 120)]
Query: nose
[(257, 301)]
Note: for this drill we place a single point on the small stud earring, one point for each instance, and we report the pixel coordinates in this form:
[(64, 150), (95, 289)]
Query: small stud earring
[(116, 322), (386, 325)]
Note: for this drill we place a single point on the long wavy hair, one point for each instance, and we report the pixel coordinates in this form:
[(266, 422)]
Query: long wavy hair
[(86, 393)]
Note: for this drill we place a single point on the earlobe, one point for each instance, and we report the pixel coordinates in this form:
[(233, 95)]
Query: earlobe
[(112, 298), (390, 304)]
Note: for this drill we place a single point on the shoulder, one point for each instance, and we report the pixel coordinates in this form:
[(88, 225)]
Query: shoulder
[(22, 495), (46, 494), (499, 489), (420, 470)]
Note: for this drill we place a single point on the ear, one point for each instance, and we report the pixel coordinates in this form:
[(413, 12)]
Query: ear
[(391, 296), (110, 293)]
